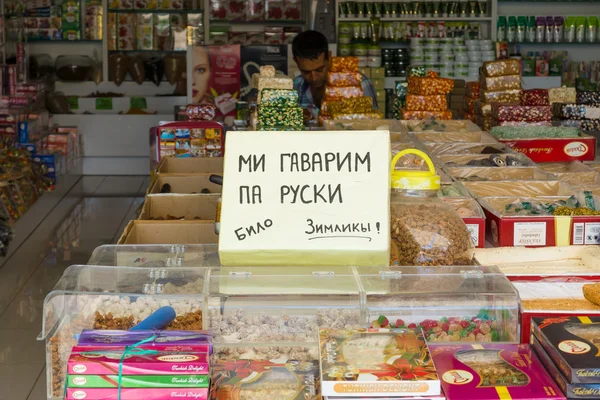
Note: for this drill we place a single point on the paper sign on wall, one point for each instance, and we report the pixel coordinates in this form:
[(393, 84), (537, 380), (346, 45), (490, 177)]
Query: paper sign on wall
[(306, 198)]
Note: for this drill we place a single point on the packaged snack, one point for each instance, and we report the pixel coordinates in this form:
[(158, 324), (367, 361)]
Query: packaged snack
[(473, 89), (483, 109), (338, 93), (279, 98), (572, 344), (416, 102), (591, 28), (236, 10), (549, 31), (511, 32), (576, 111), (280, 116), (370, 115), (588, 97), (344, 79), (501, 29), (540, 29), (580, 23), (515, 112), (142, 382), (562, 95), (506, 82), (271, 82), (292, 10), (570, 29), (202, 112), (504, 96), (255, 10), (419, 115), (483, 371), (535, 97), (530, 30), (521, 29), (360, 104), (274, 10), (136, 394), (344, 64), (501, 68), (424, 233), (430, 84), (559, 29)]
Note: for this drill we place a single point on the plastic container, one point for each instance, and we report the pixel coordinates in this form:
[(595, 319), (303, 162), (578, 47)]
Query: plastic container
[(345, 39), (344, 50), (461, 72), (425, 231), (373, 61), (374, 51), (488, 58), (446, 72), (432, 41), (363, 61), (474, 57), (360, 50), (416, 42), (419, 57), (431, 48), (460, 49), (459, 41), (472, 43), (447, 57), (488, 53), (447, 64), (432, 57), (461, 58), (461, 65)]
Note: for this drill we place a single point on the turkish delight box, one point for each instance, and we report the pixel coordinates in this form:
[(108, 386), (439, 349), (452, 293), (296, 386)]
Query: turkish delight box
[(94, 337), (571, 390), (573, 343), (101, 362), (539, 150), (140, 381), (377, 362), (262, 379), (136, 394), (492, 371)]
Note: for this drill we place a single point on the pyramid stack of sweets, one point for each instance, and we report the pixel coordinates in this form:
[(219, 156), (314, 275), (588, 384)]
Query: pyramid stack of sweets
[(122, 367), (471, 96), (344, 97), (277, 101), (426, 97)]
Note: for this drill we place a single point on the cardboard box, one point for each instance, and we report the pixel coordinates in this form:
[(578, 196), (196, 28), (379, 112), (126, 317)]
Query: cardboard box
[(572, 344), (571, 390), (378, 84), (542, 150), (463, 369), (192, 207), (184, 183), (169, 232), (192, 165), (377, 73)]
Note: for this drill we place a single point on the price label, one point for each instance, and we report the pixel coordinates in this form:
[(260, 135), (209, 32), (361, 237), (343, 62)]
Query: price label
[(104, 103), (474, 231), (138, 102), (592, 233), (73, 102), (530, 234)]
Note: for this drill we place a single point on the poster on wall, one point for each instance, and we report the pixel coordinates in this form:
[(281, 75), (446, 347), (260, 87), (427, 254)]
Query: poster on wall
[(255, 56), (216, 77)]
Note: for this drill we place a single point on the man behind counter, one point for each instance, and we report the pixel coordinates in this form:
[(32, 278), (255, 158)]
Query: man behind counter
[(312, 55)]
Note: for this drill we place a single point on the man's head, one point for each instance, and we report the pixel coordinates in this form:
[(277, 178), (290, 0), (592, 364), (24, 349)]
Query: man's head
[(311, 53)]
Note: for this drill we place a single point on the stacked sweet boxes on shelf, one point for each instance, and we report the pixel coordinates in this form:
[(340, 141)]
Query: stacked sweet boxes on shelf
[(492, 371), (376, 363), (344, 97), (139, 365), (471, 97), (426, 97), (533, 110), (569, 347), (500, 83), (583, 114), (278, 107)]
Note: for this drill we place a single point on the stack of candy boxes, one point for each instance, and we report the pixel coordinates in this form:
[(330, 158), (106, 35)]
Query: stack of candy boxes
[(277, 102), (136, 365), (580, 110), (344, 96), (426, 97)]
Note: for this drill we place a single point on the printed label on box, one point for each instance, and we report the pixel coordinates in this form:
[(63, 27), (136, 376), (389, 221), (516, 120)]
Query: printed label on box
[(530, 234), (474, 231), (592, 233), (104, 103)]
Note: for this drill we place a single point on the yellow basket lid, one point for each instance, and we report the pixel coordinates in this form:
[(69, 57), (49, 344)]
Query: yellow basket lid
[(414, 180)]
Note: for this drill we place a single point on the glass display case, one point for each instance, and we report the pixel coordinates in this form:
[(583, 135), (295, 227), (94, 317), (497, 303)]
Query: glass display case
[(100, 297), (157, 256), (266, 304), (476, 304)]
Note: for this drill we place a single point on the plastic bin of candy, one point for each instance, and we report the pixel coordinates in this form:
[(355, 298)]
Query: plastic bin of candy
[(260, 305), (156, 256), (449, 303), (100, 297)]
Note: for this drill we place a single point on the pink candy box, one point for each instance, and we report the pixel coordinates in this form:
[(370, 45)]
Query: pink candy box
[(102, 362), (136, 394)]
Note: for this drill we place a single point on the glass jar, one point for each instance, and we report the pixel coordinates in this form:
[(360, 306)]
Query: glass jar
[(425, 231)]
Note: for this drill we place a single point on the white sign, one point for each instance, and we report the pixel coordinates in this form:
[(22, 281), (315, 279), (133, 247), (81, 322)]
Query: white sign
[(530, 234), (306, 198)]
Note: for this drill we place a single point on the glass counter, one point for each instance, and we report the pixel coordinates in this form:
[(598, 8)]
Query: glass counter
[(157, 256), (475, 304), (100, 297), (266, 304)]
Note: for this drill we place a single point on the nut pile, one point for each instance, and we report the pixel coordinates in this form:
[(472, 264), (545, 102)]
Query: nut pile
[(429, 234), (535, 97), (344, 79), (518, 113), (502, 67), (238, 325), (426, 103), (506, 82)]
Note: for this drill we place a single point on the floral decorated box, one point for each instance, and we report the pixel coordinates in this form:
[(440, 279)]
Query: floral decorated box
[(377, 363), (573, 343), (282, 379), (492, 371)]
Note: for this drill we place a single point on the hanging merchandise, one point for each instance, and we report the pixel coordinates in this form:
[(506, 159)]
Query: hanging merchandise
[(155, 69), (118, 65), (136, 69)]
